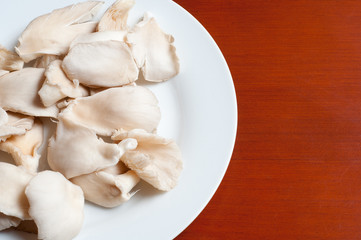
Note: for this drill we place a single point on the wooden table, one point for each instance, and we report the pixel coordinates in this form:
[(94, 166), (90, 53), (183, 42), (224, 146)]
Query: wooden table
[(296, 171)]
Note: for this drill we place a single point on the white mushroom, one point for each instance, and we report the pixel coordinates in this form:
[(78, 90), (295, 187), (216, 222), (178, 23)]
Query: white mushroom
[(10, 61), (56, 205), (57, 86), (103, 64), (75, 150), (99, 36), (13, 181), (45, 60), (52, 33), (23, 148), (115, 18), (153, 51), (8, 221), (13, 124), (19, 93), (126, 107), (156, 160), (107, 189)]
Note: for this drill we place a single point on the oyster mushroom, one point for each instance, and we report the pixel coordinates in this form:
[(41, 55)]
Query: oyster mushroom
[(116, 16), (57, 86), (23, 148), (153, 50), (13, 124), (107, 189), (10, 61), (13, 181), (19, 93), (8, 221), (99, 36), (75, 150), (156, 160), (126, 107), (56, 205), (103, 64), (52, 33)]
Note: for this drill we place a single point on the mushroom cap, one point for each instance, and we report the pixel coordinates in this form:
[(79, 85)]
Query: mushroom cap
[(100, 36), (52, 33), (76, 150), (10, 61), (101, 64), (57, 86), (153, 50), (116, 16), (8, 221), (156, 160), (56, 205), (19, 93), (23, 148), (126, 107), (13, 181), (13, 124), (106, 189)]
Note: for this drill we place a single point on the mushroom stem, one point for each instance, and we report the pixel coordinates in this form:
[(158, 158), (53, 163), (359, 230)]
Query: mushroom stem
[(126, 145), (126, 182)]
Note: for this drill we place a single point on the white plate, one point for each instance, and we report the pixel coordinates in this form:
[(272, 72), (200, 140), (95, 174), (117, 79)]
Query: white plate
[(199, 111)]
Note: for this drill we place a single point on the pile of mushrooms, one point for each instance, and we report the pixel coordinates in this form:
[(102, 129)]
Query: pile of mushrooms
[(82, 75)]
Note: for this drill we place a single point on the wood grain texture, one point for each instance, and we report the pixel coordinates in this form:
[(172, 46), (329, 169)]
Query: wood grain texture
[(296, 168)]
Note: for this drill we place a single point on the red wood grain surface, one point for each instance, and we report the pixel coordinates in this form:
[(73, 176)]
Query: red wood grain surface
[(296, 170)]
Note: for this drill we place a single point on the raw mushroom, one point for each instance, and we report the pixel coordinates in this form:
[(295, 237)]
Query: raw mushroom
[(100, 36), (102, 64), (19, 93), (23, 148), (44, 61), (56, 205), (13, 124), (116, 16), (52, 33), (13, 181), (153, 50), (75, 150), (10, 61), (107, 189), (8, 221), (126, 107), (156, 160), (57, 86)]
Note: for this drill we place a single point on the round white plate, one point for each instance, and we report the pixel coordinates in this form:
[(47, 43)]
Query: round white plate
[(199, 111)]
